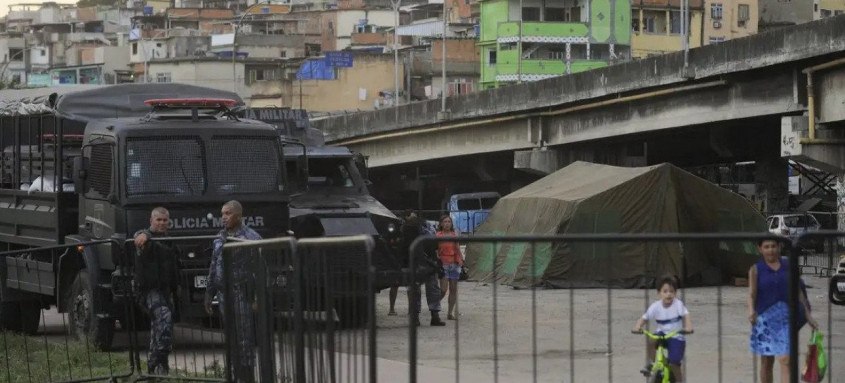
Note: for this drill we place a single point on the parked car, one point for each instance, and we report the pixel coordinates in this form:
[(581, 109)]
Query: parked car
[(793, 225)]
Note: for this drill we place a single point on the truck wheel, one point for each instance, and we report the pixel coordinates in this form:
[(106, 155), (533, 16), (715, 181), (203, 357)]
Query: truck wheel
[(30, 317), (10, 317), (84, 323)]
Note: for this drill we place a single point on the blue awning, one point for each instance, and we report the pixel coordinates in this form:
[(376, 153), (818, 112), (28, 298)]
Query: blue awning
[(317, 69)]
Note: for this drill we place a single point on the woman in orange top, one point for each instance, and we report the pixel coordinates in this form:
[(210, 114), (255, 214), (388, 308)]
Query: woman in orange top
[(452, 260)]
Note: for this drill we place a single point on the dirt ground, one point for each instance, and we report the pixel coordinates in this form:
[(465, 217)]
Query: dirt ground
[(596, 346), (590, 348)]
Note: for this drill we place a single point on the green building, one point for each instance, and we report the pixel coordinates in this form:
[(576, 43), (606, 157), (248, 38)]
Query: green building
[(531, 40)]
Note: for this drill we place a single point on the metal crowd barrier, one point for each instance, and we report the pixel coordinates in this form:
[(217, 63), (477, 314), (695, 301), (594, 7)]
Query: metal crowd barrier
[(300, 311), (581, 332), (45, 339)]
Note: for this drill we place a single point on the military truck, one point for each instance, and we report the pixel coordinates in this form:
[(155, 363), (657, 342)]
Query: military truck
[(90, 165)]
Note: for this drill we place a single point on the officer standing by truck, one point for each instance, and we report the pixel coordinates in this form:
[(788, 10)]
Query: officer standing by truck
[(242, 278), (156, 276), (411, 229)]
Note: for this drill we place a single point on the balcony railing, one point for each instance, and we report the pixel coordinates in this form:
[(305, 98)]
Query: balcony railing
[(543, 31)]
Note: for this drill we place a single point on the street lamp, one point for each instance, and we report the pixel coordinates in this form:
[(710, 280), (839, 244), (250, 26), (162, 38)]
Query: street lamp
[(235, 44)]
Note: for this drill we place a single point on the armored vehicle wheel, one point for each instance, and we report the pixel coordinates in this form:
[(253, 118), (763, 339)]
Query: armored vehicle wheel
[(84, 323), (10, 317), (30, 317)]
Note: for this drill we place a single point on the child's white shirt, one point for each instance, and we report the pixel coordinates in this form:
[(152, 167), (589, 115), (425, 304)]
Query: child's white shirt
[(668, 319)]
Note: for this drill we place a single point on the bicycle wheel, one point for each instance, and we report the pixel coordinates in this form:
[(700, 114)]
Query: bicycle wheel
[(656, 377)]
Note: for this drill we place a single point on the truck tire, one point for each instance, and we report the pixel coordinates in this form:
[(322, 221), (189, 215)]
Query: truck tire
[(10, 316), (30, 317), (85, 325)]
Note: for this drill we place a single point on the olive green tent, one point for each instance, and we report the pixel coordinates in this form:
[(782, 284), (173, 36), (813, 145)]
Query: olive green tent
[(591, 198)]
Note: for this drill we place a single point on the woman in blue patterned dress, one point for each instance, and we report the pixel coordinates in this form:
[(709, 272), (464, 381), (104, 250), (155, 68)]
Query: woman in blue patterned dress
[(768, 310)]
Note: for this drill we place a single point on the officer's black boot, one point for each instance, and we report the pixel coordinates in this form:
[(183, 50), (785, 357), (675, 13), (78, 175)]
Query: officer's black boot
[(435, 319)]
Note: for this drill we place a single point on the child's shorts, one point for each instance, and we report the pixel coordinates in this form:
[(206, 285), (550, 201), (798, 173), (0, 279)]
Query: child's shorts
[(676, 349), (453, 271)]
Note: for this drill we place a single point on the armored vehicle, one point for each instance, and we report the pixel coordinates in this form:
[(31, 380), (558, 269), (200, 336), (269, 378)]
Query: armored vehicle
[(90, 165)]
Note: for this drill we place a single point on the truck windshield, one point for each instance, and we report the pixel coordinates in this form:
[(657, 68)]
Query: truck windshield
[(329, 172), (190, 167)]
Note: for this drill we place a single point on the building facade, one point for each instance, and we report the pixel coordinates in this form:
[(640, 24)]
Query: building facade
[(542, 40), (656, 26), (729, 19)]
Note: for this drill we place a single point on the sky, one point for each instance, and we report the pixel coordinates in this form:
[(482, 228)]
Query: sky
[(4, 4)]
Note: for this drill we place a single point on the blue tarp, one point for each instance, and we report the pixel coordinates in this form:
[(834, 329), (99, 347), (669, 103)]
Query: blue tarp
[(315, 70)]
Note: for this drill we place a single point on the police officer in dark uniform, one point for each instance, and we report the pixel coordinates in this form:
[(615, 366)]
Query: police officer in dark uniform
[(242, 280), (156, 277), (429, 264)]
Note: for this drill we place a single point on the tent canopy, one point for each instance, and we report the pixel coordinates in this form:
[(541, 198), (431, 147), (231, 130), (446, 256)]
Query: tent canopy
[(591, 198)]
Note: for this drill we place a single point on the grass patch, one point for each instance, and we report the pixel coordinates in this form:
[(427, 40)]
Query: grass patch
[(29, 359)]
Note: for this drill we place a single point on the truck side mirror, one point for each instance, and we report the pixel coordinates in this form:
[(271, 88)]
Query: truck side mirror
[(80, 173)]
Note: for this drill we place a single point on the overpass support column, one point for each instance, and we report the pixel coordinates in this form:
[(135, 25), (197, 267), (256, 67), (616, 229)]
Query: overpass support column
[(541, 161), (771, 174)]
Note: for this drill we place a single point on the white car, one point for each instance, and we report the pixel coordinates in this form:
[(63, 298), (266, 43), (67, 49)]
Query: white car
[(793, 225)]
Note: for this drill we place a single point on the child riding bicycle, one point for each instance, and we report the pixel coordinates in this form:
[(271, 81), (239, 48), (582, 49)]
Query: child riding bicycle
[(670, 315)]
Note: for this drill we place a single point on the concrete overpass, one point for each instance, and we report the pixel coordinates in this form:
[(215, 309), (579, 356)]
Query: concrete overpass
[(740, 99)]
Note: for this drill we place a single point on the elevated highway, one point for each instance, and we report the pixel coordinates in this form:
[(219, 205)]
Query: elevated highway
[(749, 81)]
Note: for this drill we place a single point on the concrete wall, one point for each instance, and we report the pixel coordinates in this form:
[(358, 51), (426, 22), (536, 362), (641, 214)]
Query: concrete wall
[(148, 50), (801, 42), (787, 12), (369, 75), (830, 94), (212, 74), (460, 50)]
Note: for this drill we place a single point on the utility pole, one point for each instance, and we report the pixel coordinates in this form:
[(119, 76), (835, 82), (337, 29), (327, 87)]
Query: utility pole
[(443, 62), (235, 43), (395, 4), (519, 48)]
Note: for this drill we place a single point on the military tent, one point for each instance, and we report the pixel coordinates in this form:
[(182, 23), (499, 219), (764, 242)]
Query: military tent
[(591, 198)]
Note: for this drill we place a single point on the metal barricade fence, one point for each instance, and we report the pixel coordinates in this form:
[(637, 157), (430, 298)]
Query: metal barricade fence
[(300, 311), (49, 329), (580, 332)]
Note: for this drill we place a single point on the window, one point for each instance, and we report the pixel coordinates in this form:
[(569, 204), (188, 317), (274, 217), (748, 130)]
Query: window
[(163, 77), (675, 20), (491, 57), (530, 14), (837, 13), (164, 166), (328, 172), (742, 15), (460, 87), (228, 153), (134, 48), (43, 52), (826, 13), (715, 40), (716, 11), (649, 24), (556, 14), (635, 25)]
